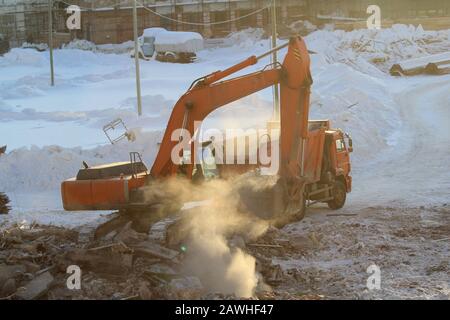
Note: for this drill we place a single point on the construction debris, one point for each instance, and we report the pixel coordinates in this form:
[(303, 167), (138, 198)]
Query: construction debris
[(274, 275), (432, 64), (314, 259), (4, 201), (34, 261), (442, 67), (36, 287), (128, 235), (186, 288), (9, 272), (149, 249), (118, 125), (8, 288)]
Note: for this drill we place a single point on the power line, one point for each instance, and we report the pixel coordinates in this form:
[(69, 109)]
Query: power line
[(176, 20), (203, 24)]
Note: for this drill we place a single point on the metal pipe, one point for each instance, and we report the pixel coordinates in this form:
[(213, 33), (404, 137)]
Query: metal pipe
[(278, 48)]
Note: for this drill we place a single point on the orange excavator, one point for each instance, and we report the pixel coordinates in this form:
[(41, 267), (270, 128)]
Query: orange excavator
[(314, 163)]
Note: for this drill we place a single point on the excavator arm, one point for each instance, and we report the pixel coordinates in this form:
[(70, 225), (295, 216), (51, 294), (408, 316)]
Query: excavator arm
[(197, 103), (208, 94)]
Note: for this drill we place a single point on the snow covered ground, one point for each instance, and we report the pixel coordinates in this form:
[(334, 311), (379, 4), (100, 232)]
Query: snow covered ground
[(397, 124)]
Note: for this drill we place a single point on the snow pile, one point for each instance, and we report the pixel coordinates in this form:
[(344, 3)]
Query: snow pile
[(366, 49), (36, 46), (119, 48), (357, 103), (178, 41), (39, 169), (80, 44), (153, 32), (22, 57), (246, 38)]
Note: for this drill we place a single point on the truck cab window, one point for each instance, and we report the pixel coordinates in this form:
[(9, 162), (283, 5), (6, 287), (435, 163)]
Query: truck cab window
[(340, 145)]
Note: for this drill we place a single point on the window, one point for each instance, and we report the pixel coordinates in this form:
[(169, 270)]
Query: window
[(340, 145)]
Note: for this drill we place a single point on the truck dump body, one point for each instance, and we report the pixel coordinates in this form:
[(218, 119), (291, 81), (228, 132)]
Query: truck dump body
[(313, 154)]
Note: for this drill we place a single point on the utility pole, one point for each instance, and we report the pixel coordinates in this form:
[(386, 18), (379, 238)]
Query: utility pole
[(136, 59), (50, 41), (276, 99)]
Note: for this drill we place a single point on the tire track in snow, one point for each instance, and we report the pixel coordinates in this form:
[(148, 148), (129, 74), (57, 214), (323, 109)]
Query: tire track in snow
[(415, 171)]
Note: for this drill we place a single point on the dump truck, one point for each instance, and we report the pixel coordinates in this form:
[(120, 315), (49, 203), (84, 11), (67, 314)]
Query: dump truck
[(314, 161)]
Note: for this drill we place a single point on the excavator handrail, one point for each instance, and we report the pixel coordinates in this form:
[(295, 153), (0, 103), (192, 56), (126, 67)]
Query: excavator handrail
[(196, 81), (220, 74)]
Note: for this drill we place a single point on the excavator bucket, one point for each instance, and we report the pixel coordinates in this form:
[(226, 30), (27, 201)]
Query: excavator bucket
[(270, 198), (263, 196)]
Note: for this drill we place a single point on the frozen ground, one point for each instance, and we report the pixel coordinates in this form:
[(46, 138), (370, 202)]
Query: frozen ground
[(400, 127)]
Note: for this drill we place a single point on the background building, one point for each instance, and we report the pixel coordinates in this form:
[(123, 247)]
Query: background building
[(110, 21)]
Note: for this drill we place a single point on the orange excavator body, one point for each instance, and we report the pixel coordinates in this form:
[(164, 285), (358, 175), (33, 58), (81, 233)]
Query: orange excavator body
[(109, 187)]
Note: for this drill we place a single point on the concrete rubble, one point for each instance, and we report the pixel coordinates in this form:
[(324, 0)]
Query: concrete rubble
[(317, 258), (123, 264)]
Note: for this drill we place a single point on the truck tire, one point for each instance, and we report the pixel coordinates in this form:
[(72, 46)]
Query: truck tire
[(339, 194)]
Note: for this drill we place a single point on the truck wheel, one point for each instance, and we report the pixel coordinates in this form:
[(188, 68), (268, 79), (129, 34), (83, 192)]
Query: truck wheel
[(340, 194)]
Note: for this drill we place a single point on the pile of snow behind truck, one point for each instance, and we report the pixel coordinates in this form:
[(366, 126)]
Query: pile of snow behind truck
[(169, 46)]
